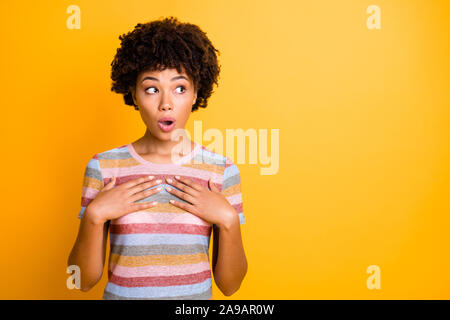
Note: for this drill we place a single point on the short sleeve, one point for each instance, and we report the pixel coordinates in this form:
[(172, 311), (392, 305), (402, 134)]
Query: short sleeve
[(231, 188), (92, 183)]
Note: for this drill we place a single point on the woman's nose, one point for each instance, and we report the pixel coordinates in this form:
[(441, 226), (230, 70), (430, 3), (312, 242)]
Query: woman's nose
[(166, 107)]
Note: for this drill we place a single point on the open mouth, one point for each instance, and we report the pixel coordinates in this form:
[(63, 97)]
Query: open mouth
[(166, 125)]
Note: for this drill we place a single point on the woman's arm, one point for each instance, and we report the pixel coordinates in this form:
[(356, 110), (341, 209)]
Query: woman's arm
[(211, 205), (109, 203), (229, 261), (89, 251)]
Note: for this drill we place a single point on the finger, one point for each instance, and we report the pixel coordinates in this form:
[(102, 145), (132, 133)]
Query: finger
[(142, 205), (189, 183), (143, 186), (213, 186), (185, 206), (110, 184), (144, 194), (181, 195), (137, 181), (187, 189)]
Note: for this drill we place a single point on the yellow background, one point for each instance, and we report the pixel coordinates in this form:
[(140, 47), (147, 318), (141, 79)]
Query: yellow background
[(364, 139)]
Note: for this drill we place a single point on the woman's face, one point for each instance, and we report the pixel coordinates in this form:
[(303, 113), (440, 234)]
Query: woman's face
[(161, 94)]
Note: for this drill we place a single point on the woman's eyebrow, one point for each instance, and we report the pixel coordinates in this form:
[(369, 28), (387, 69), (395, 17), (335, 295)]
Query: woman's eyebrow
[(174, 78)]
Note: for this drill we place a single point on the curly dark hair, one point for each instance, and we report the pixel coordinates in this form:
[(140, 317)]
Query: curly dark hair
[(161, 44)]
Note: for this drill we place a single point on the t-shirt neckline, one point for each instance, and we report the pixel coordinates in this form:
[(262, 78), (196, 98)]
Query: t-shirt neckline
[(178, 162)]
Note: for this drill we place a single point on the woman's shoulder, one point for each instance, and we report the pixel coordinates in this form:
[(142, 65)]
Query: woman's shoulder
[(97, 160), (113, 153), (208, 156)]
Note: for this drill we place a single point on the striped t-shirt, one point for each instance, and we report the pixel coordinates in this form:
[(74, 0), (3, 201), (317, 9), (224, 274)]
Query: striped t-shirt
[(160, 252)]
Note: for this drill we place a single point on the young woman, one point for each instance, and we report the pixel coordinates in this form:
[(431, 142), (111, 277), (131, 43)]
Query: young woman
[(159, 203)]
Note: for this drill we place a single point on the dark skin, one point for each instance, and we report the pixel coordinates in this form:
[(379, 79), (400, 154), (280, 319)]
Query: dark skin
[(158, 94)]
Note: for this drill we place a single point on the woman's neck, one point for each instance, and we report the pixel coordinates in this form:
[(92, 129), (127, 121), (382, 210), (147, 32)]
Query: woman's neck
[(149, 145)]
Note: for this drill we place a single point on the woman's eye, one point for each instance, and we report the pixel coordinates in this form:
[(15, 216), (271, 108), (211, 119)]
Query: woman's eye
[(150, 88), (181, 87)]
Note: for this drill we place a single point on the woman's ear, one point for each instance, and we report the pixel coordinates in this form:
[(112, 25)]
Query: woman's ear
[(195, 99)]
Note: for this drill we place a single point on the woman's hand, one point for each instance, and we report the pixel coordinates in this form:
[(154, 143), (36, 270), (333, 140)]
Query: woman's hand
[(210, 205), (113, 202)]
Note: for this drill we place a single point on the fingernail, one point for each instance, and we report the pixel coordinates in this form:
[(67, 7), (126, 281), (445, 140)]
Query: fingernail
[(177, 177), (158, 181), (159, 188), (150, 177), (169, 180)]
